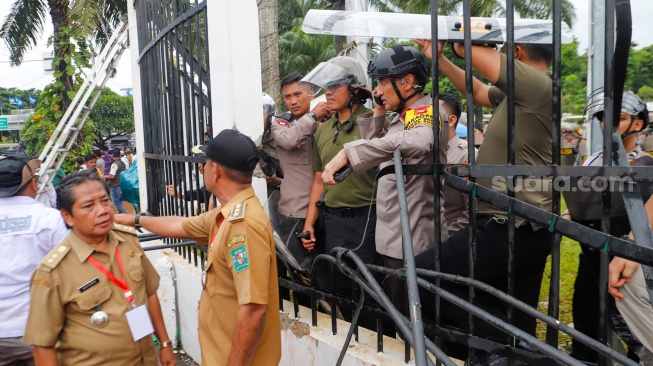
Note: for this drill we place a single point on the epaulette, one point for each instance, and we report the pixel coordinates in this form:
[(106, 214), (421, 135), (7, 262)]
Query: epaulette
[(52, 260), (238, 212), (125, 229)]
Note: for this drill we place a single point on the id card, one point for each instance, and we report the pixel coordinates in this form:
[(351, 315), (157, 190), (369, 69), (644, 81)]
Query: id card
[(139, 322)]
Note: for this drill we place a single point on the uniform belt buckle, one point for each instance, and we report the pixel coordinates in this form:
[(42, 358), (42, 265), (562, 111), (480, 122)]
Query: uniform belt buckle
[(347, 212)]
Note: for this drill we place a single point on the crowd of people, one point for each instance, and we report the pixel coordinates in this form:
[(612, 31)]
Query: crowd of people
[(85, 293)]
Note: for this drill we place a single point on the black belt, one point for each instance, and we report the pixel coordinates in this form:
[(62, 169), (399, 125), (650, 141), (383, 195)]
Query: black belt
[(349, 212)]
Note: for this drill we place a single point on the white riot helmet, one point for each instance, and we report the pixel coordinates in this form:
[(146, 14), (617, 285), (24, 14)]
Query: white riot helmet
[(338, 71), (269, 106), (630, 103)]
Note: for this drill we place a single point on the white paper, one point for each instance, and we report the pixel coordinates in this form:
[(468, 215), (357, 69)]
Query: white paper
[(139, 322)]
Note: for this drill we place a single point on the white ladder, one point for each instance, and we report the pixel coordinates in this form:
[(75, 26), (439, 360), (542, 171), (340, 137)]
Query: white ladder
[(67, 131)]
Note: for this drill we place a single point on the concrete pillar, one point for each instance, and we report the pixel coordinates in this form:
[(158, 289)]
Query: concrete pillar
[(362, 51), (235, 64), (138, 107), (596, 67)]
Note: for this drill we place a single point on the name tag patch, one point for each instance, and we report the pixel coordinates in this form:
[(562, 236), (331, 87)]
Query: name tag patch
[(240, 258), (419, 116)]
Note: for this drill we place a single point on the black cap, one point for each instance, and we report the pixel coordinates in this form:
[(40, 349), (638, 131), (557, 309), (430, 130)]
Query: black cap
[(16, 170), (233, 150)]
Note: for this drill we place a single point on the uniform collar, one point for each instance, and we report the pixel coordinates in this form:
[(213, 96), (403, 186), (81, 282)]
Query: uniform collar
[(360, 110), (453, 141), (83, 250), (244, 195)]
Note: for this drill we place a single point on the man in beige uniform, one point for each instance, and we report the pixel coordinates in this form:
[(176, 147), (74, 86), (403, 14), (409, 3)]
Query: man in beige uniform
[(293, 136), (411, 130), (239, 310), (74, 303), (456, 203)]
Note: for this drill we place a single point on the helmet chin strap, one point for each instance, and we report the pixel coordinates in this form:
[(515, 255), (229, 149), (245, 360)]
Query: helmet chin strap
[(402, 100), (632, 121)]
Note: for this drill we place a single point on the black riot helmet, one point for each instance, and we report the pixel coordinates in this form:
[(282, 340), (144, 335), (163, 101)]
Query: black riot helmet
[(396, 62)]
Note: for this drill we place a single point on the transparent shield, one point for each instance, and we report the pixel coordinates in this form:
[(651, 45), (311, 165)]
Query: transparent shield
[(326, 77)]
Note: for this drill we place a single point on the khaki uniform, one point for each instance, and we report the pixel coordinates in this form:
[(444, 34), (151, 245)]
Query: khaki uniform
[(636, 309), (294, 140), (416, 146), (241, 268), (456, 203), (60, 312)]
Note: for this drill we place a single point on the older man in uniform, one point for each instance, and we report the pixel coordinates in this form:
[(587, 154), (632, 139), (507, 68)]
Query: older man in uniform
[(402, 73), (95, 293), (456, 203), (28, 231), (239, 310)]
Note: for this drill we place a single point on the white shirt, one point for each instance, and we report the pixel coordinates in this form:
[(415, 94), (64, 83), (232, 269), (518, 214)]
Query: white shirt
[(28, 232), (114, 169), (126, 161)]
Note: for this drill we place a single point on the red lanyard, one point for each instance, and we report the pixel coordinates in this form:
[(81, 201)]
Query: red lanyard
[(122, 284)]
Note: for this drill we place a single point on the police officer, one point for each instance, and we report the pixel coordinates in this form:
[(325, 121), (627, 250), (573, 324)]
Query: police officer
[(268, 150), (293, 136), (95, 293), (533, 126), (239, 310), (402, 73), (585, 208), (456, 203)]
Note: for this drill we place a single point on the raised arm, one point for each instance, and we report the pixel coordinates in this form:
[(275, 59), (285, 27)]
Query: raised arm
[(482, 61), (167, 226)]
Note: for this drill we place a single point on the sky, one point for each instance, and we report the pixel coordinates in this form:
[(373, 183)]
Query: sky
[(31, 74)]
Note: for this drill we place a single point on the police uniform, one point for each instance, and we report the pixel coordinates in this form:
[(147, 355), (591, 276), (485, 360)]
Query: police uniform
[(456, 203), (67, 290), (241, 269), (585, 208), (294, 141), (416, 142)]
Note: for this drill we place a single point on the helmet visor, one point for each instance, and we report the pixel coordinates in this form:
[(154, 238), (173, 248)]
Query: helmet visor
[(327, 77)]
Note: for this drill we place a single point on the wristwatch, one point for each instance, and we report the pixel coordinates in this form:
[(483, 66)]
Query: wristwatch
[(313, 115), (137, 220), (166, 344)]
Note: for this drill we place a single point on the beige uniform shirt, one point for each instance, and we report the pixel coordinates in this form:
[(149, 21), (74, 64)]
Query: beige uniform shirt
[(241, 268), (416, 144), (294, 140), (61, 308), (456, 203)]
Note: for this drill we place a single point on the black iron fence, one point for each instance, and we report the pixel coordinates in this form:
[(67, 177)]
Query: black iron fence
[(177, 113)]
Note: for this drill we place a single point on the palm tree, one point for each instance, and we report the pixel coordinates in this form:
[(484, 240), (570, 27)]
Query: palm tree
[(84, 20), (301, 52), (269, 41)]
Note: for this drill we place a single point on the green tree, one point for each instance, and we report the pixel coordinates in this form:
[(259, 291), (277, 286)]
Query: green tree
[(646, 93), (113, 116), (301, 52), (85, 21)]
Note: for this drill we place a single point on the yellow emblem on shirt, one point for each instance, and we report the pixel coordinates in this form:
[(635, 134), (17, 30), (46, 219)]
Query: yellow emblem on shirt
[(419, 116), (235, 240)]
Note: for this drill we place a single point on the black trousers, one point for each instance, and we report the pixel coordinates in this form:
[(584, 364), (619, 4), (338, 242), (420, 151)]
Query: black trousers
[(491, 267), (345, 228)]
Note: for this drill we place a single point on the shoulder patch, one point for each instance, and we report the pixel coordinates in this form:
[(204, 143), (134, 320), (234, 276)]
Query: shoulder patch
[(282, 122), (124, 229), (238, 212), (53, 259), (240, 258), (419, 116), (235, 240)]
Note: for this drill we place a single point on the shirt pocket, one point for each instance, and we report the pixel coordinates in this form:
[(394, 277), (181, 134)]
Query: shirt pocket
[(90, 299), (135, 270), (300, 155)]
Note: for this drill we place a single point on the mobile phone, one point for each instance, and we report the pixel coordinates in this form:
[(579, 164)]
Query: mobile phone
[(378, 99), (341, 174)]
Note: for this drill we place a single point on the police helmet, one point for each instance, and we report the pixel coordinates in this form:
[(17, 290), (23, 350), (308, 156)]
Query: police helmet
[(630, 103), (399, 61), (338, 71), (269, 106)]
